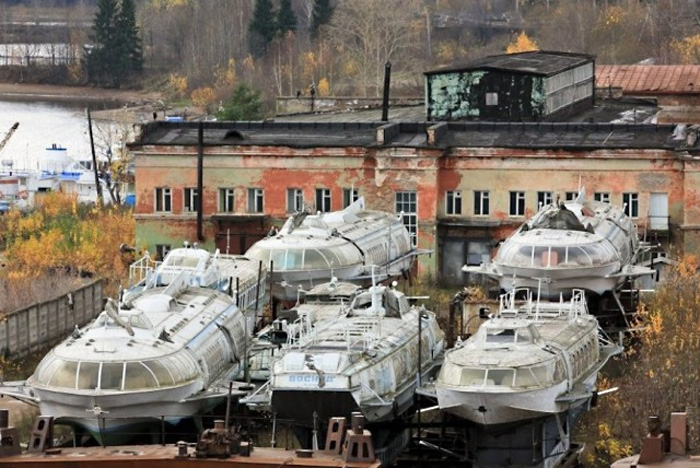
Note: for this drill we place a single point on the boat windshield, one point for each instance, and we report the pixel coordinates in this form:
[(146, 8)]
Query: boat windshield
[(561, 257), (539, 375), (306, 259), (508, 335), (167, 371), (184, 261)]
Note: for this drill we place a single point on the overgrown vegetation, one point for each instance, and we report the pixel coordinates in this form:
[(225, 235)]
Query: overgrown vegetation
[(656, 376), (58, 242)]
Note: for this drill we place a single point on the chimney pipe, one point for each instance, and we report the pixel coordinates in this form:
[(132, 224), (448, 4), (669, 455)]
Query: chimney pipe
[(385, 101)]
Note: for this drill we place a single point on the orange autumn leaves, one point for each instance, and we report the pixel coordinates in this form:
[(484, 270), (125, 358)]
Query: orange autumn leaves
[(60, 235)]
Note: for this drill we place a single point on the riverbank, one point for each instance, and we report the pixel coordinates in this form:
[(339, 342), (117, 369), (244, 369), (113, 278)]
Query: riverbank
[(55, 93)]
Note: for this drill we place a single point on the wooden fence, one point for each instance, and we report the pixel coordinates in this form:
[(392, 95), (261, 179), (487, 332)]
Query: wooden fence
[(40, 325)]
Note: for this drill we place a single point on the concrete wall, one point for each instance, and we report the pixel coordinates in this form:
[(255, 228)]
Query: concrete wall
[(37, 326)]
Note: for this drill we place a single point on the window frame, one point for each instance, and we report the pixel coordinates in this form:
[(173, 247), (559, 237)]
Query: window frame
[(350, 195), (189, 199), (517, 203), (256, 200), (323, 200), (163, 200), (603, 197), (295, 200), (453, 202), (227, 200), (544, 198), (482, 202), (630, 203), (406, 204)]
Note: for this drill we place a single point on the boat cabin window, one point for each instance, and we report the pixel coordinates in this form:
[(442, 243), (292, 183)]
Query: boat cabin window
[(500, 377), (111, 376), (472, 377), (535, 376), (87, 375), (508, 335), (138, 321), (65, 374), (138, 377), (181, 261)]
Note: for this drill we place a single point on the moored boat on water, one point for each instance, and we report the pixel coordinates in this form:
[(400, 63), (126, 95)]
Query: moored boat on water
[(532, 360)]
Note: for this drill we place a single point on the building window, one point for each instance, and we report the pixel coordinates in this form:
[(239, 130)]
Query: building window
[(544, 199), (407, 203), (491, 99), (570, 196), (190, 199), (630, 201), (453, 202), (350, 195), (481, 202), (226, 200), (323, 200), (602, 197), (163, 200), (162, 250), (256, 200), (517, 204), (295, 200)]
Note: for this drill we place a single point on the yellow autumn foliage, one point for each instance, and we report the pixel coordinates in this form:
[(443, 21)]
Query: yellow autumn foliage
[(521, 43), (687, 49), (203, 97), (658, 373), (60, 235), (324, 87), (177, 84)]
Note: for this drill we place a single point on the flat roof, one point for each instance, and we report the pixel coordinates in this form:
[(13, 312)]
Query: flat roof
[(538, 62), (545, 135)]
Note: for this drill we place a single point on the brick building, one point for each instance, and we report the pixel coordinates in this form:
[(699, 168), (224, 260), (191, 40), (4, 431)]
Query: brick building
[(462, 186)]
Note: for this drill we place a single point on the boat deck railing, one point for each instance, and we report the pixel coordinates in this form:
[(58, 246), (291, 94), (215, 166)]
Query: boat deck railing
[(142, 269), (355, 334), (509, 306)]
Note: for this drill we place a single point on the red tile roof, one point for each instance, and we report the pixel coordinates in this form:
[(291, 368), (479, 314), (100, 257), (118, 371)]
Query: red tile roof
[(650, 79)]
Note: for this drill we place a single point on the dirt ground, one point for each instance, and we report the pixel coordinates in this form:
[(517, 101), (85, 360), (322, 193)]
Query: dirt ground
[(39, 92), (18, 411)]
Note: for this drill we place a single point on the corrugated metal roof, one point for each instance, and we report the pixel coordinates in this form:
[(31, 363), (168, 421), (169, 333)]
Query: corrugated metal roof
[(650, 79)]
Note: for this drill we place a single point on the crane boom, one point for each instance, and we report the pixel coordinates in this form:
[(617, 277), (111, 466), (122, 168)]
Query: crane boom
[(8, 135)]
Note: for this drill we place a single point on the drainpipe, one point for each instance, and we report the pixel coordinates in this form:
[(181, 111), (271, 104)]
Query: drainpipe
[(385, 101), (200, 182)]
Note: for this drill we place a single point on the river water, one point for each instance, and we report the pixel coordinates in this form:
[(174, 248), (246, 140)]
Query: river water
[(42, 124)]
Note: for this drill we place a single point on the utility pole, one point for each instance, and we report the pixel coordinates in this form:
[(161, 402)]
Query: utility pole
[(98, 186)]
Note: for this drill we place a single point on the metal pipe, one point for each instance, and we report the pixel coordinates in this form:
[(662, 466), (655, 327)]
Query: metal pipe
[(200, 179), (385, 100)]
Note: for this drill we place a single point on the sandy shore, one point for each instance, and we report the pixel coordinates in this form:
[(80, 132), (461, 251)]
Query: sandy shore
[(39, 92)]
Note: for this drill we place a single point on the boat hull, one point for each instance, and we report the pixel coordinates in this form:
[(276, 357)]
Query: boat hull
[(118, 412)]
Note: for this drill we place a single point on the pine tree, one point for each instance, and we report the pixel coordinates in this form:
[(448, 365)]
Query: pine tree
[(263, 27), (104, 39), (116, 51), (129, 32), (322, 13), (245, 104), (286, 19)]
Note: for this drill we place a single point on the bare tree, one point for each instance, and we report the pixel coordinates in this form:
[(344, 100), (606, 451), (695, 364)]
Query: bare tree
[(367, 34)]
